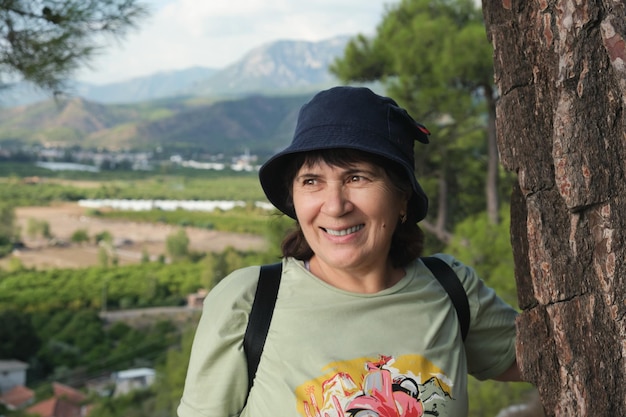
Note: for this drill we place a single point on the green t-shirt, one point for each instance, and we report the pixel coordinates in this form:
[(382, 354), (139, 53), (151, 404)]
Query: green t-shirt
[(334, 353)]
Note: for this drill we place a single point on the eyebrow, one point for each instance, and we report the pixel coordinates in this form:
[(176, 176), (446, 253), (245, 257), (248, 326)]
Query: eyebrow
[(306, 175), (375, 173)]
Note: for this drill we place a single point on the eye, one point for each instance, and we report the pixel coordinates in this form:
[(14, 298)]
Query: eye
[(306, 182)]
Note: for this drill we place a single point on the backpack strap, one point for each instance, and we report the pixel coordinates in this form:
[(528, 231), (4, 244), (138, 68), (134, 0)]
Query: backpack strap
[(449, 280), (261, 316)]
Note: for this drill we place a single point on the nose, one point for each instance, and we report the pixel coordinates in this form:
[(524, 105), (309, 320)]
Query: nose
[(337, 200)]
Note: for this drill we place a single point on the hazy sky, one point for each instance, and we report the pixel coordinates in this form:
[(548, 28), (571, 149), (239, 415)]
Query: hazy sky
[(215, 33)]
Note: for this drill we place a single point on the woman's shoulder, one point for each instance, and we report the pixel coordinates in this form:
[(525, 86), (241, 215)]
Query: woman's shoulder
[(466, 274), (240, 283)]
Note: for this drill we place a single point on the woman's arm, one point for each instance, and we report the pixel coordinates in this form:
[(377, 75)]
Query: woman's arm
[(217, 376), (512, 374)]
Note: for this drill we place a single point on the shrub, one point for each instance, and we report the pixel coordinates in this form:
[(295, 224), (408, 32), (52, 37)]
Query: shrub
[(80, 236)]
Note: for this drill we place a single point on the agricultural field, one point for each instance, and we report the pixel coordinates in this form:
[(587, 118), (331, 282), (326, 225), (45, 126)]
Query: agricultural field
[(134, 236), (132, 239)]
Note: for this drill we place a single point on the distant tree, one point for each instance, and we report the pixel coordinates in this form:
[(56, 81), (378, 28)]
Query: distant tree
[(19, 339), (104, 236), (32, 227), (171, 375), (177, 245), (277, 228), (35, 227), (8, 229), (103, 256), (487, 247), (434, 58), (145, 256), (80, 236), (45, 42), (15, 264)]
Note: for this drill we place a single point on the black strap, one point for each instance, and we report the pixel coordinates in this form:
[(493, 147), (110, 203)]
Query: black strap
[(451, 283), (261, 316)]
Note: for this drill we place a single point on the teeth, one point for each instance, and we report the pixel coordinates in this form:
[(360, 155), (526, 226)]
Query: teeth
[(344, 231)]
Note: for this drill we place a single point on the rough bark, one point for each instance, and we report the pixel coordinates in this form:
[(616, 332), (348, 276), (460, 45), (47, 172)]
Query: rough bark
[(493, 161), (560, 66)]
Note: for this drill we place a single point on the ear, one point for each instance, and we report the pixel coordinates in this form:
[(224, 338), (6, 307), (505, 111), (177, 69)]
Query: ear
[(404, 209), (404, 206)]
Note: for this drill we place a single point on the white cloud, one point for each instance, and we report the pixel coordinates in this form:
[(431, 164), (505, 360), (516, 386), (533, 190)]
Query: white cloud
[(216, 33)]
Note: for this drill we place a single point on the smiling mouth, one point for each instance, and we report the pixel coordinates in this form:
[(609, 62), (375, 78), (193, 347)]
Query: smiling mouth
[(344, 232)]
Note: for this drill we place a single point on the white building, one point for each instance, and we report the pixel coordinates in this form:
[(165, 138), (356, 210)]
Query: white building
[(133, 379), (12, 374)]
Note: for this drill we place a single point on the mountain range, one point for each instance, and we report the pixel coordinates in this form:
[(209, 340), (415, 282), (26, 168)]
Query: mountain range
[(284, 67), (252, 105)]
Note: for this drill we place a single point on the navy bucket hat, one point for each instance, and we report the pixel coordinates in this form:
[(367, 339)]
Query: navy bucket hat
[(350, 118)]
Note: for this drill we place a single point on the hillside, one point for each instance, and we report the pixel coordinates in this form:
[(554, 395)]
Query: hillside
[(251, 105), (260, 124), (60, 122)]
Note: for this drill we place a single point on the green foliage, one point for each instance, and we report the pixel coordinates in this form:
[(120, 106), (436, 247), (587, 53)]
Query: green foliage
[(433, 55), (48, 42), (276, 228), (434, 58), (15, 264), (487, 248), (77, 343), (105, 236), (72, 339), (24, 194), (204, 186), (80, 236), (140, 285), (247, 219), (217, 266), (164, 396), (177, 245), (488, 398), (129, 286), (38, 228), (169, 385), (140, 403), (103, 256), (8, 229), (18, 340)]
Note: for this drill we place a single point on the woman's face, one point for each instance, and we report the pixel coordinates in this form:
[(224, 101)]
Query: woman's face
[(347, 214)]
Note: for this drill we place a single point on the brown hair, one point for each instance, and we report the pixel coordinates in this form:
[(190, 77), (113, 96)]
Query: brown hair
[(407, 242)]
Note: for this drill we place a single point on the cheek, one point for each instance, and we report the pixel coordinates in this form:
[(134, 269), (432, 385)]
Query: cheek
[(303, 205)]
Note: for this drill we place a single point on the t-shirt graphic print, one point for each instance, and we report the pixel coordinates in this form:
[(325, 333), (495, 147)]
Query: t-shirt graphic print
[(407, 386)]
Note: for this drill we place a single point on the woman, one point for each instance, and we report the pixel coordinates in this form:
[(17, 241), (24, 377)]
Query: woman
[(361, 327)]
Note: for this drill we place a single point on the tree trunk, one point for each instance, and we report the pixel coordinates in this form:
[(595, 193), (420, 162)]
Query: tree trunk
[(439, 227), (493, 161), (560, 66)]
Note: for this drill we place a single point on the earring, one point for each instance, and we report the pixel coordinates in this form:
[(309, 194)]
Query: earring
[(403, 218)]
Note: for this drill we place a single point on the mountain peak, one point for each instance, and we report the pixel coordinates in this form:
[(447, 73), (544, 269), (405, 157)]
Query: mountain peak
[(283, 66), (276, 66)]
